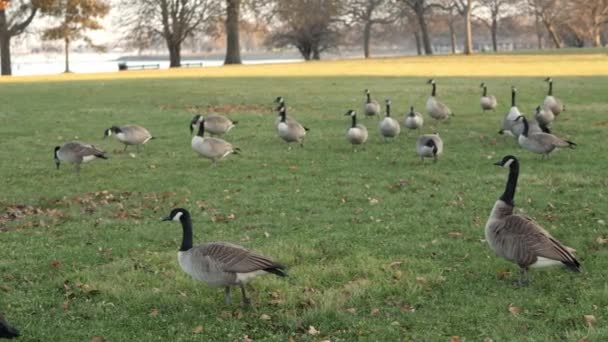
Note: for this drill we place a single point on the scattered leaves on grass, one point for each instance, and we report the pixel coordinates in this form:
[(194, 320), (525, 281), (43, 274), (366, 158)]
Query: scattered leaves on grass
[(247, 339), (455, 234), (374, 311), (373, 200), (312, 331), (351, 310), (514, 310), (407, 307), (455, 339), (590, 320), (55, 264), (97, 339), (293, 168), (601, 240), (504, 274), (421, 280), (198, 329), (154, 312), (265, 317)]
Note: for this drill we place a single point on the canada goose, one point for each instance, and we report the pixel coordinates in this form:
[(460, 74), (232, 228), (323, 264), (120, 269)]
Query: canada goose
[(356, 133), (389, 127), (413, 120), (76, 153), (551, 102), (520, 239), (281, 102), (430, 146), (211, 148), (371, 107), (214, 124), (6, 331), (487, 102), (509, 120), (541, 142), (129, 135), (436, 109), (290, 131), (220, 263), (544, 116)]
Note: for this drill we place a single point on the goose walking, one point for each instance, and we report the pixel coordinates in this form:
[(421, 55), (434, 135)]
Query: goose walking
[(76, 153), (214, 124), (487, 102), (389, 127), (6, 331), (540, 142), (290, 131), (544, 117), (509, 121), (371, 107), (211, 148), (520, 239), (220, 264), (436, 109), (429, 146), (413, 120), (551, 102), (356, 134), (129, 135)]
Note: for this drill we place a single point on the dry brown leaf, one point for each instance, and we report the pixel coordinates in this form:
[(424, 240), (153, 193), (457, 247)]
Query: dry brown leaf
[(55, 264), (351, 310), (375, 311), (291, 339), (198, 329), (394, 263), (312, 331), (247, 339), (504, 274), (514, 310), (601, 240), (455, 339), (265, 317), (590, 320), (421, 280), (97, 339), (293, 168), (455, 234), (373, 201), (408, 307), (154, 313)]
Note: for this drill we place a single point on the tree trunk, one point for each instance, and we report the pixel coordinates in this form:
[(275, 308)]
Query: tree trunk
[(316, 54), (539, 33), (554, 36), (5, 46), (597, 36), (494, 30), (175, 54), (233, 49), (468, 39), (426, 41), (418, 42), (67, 55), (452, 36), (367, 32)]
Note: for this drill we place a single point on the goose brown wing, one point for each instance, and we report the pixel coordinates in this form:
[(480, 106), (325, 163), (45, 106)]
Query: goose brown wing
[(85, 150), (234, 258)]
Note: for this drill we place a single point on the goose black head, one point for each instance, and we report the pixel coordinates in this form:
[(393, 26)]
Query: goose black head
[(538, 109), (57, 161), (483, 84), (506, 161), (279, 99), (195, 121), (110, 131), (350, 112), (366, 91), (431, 81), (548, 79), (521, 117), (177, 214)]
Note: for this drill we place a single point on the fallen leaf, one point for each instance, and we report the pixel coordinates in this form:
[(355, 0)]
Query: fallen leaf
[(375, 311), (247, 339), (264, 317), (97, 339), (154, 313), (408, 307), (394, 263), (373, 201), (293, 168), (421, 280), (601, 240), (455, 339), (351, 310), (590, 320), (198, 329), (455, 234), (291, 339), (504, 274), (514, 310), (313, 331), (55, 264)]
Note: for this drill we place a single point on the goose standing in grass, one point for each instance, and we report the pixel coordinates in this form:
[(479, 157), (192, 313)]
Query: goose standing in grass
[(220, 264), (211, 148), (520, 239), (429, 146), (281, 102), (389, 127), (487, 102), (6, 331), (544, 117), (551, 102), (356, 133), (540, 142), (290, 131), (371, 106), (436, 109), (509, 121), (129, 135), (76, 153), (413, 120), (214, 124)]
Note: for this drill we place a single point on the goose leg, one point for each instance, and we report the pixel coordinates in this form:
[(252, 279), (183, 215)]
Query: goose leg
[(227, 295), (125, 149), (523, 277), (246, 300), (77, 167)]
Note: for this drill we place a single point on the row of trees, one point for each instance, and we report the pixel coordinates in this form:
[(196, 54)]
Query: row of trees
[(311, 26)]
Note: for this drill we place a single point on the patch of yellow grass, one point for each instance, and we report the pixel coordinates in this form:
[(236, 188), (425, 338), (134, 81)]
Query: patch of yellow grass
[(477, 65)]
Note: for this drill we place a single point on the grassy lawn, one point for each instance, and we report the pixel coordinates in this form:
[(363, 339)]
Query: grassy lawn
[(381, 247)]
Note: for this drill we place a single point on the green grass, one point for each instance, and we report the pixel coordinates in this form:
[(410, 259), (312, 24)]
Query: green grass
[(83, 262)]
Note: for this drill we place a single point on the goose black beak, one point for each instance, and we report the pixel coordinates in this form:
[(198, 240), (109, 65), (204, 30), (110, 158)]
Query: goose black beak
[(166, 219), (498, 163)]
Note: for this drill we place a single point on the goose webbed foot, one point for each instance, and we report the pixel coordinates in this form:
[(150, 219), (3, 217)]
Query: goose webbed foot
[(246, 300)]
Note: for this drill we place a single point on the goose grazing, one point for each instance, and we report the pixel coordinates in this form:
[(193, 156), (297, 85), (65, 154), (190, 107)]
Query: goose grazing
[(356, 133), (413, 120), (429, 146), (371, 107), (220, 264), (551, 102), (211, 148), (544, 117), (436, 109), (520, 239), (129, 135), (487, 102), (540, 142), (290, 131), (6, 331), (214, 124), (389, 127), (76, 153)]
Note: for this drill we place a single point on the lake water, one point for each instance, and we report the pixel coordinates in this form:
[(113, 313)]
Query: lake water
[(49, 64)]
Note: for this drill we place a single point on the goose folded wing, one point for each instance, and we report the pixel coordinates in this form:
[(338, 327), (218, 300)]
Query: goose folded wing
[(234, 258), (87, 150)]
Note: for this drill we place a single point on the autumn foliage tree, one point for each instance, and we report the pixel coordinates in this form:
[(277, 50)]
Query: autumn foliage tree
[(74, 18)]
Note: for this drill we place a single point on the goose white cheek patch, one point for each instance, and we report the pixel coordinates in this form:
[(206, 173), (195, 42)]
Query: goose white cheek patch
[(508, 163), (177, 216)]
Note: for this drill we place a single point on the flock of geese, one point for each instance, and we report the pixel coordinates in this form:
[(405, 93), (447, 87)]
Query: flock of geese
[(514, 237)]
